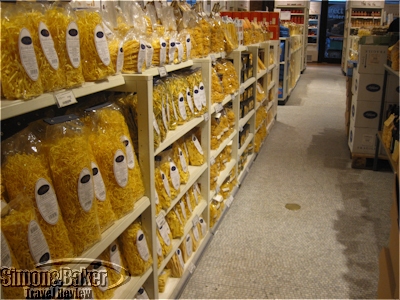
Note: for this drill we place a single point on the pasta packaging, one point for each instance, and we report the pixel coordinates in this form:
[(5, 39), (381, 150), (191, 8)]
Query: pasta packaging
[(176, 264), (198, 94), (217, 91), (162, 280), (182, 160), (177, 86), (160, 255), (217, 36), (196, 153), (195, 236), (135, 249), (230, 81), (160, 101), (187, 247), (260, 93), (175, 223), (164, 234), (73, 180), (26, 171)]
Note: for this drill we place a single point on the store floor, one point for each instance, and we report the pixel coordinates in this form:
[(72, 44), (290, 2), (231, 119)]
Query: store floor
[(327, 249)]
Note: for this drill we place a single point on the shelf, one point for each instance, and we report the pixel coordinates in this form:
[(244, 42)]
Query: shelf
[(271, 67), (176, 242), (246, 168), (241, 48), (225, 101), (246, 143), (223, 175), (261, 125), (271, 85), (261, 73), (393, 164), (128, 290), (174, 135), (215, 153), (108, 236), (247, 83), (246, 118), (269, 126), (365, 17), (259, 104), (12, 108), (270, 104), (297, 14), (391, 71), (170, 68)]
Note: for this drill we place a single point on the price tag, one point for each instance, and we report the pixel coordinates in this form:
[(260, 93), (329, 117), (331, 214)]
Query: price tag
[(160, 220), (206, 116), (192, 267), (65, 98), (162, 71), (229, 201), (213, 59), (196, 220), (241, 90), (217, 189), (212, 160), (223, 54), (241, 128), (219, 107)]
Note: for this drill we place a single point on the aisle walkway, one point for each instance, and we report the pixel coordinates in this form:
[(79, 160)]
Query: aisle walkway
[(327, 249)]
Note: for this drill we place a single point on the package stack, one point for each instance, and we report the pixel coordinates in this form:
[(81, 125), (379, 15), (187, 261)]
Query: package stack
[(367, 89)]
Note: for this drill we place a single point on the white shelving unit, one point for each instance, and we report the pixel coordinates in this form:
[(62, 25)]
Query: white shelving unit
[(359, 14), (313, 31)]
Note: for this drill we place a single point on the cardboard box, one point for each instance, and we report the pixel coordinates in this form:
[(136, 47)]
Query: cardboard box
[(365, 114), (371, 59), (362, 140), (273, 32), (367, 87), (273, 18), (386, 282)]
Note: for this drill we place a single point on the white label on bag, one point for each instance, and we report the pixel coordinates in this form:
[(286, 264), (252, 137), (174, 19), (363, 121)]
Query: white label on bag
[(197, 144), (172, 48), (178, 216), (47, 44), (189, 100), (182, 160), (85, 189), (6, 260), (107, 30), (186, 149), (206, 116), (203, 226), (73, 44), (115, 256), (167, 109), (164, 233), (175, 178), (141, 294), (195, 220), (259, 89), (155, 125), (179, 46), (130, 154), (182, 108), (188, 46), (27, 54), (203, 94), (218, 107), (180, 258), (196, 233), (46, 201), (174, 109), (37, 244), (165, 182), (149, 55), (164, 116), (141, 245), (156, 198), (159, 249), (163, 51), (141, 56), (189, 246), (196, 191), (189, 205), (99, 186), (182, 205), (100, 42), (197, 98), (120, 58), (120, 168)]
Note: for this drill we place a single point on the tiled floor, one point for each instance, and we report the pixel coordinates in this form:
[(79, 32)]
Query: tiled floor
[(327, 249)]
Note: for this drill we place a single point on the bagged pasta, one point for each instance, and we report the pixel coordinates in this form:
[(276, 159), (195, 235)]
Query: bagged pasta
[(182, 160), (187, 248), (24, 235), (217, 36), (216, 208), (217, 91), (96, 60), (188, 205), (202, 227), (157, 202), (194, 27), (162, 280), (135, 249), (73, 180), (160, 122), (134, 53), (230, 35), (196, 153), (164, 234), (195, 236), (180, 209), (160, 255), (206, 28), (175, 223), (26, 171), (162, 187), (260, 93), (176, 264), (61, 21), (114, 152), (260, 64), (230, 80), (195, 80), (20, 77)]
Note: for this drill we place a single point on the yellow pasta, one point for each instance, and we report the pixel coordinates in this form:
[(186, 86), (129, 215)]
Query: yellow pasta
[(162, 188), (182, 160), (217, 91), (230, 80), (166, 245), (162, 280), (160, 255), (134, 57), (175, 224), (196, 154), (207, 33), (176, 264), (217, 37), (95, 65), (135, 249)]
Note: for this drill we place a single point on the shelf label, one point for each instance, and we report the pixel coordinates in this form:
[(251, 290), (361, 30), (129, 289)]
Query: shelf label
[(217, 189), (212, 160), (229, 201), (223, 55), (219, 107), (162, 71), (212, 56), (65, 98), (241, 128), (196, 220), (191, 267), (241, 90), (206, 116)]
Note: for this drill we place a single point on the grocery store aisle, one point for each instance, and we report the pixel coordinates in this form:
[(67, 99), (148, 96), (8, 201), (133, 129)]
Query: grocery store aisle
[(327, 249)]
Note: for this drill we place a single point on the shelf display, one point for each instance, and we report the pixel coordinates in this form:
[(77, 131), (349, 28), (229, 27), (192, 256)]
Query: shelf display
[(313, 31)]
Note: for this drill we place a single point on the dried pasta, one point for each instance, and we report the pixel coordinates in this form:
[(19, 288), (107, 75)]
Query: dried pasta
[(217, 91), (182, 160), (176, 264), (230, 80), (166, 244), (175, 224), (162, 280), (196, 154)]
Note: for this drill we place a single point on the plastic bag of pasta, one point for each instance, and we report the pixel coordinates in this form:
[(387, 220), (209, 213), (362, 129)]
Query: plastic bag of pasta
[(188, 204), (162, 280), (176, 264), (160, 255), (196, 153), (175, 223), (206, 28), (61, 21), (217, 36), (203, 227), (8, 260), (19, 47), (160, 123), (26, 171), (182, 160), (185, 40), (230, 80), (114, 152), (216, 132), (134, 53), (217, 91), (162, 186), (194, 28), (114, 38), (177, 86), (169, 168), (171, 105), (73, 180), (164, 234), (159, 45), (187, 248), (135, 249), (96, 60), (216, 208), (157, 202), (24, 235), (260, 93), (196, 85), (180, 208)]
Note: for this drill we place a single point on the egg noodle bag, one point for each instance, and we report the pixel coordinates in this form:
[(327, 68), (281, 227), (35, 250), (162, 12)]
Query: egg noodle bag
[(196, 153), (162, 280), (217, 91), (193, 26), (165, 238), (230, 80), (196, 86), (8, 260), (115, 153), (67, 150), (160, 122), (176, 264), (175, 223), (61, 22), (195, 236), (187, 247), (95, 54), (20, 77), (135, 249), (169, 173), (160, 255), (217, 35), (26, 171), (24, 235), (182, 160)]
